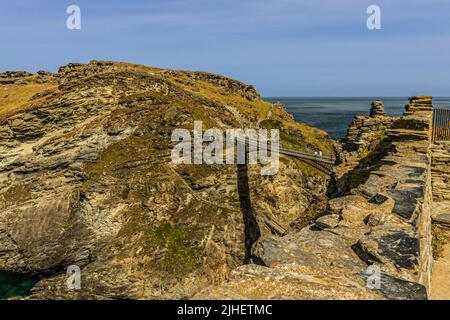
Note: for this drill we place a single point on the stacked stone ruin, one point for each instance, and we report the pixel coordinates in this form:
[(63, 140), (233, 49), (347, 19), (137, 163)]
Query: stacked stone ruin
[(365, 131), (377, 109), (419, 104)]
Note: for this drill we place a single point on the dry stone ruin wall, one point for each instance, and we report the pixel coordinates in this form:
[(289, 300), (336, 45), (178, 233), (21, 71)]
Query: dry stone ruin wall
[(440, 170), (440, 174), (399, 239), (366, 131)]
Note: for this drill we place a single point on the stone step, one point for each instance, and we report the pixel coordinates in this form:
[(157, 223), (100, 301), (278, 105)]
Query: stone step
[(441, 213), (405, 134), (441, 218)]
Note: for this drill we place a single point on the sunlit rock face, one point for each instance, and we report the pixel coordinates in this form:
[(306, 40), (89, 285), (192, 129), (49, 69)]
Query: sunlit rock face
[(86, 179)]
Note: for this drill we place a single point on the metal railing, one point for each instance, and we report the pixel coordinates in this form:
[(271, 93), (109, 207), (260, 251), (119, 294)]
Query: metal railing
[(328, 159), (441, 125)]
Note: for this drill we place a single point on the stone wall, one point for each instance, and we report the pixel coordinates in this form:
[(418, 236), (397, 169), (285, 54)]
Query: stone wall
[(366, 130), (440, 171), (405, 176), (440, 179)]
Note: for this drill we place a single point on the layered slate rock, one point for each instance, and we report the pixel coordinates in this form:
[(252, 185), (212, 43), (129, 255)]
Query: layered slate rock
[(441, 213), (393, 288), (442, 218), (366, 131), (365, 140), (377, 109), (310, 248), (418, 104), (328, 221), (384, 223), (440, 171), (288, 282), (14, 77), (395, 246)]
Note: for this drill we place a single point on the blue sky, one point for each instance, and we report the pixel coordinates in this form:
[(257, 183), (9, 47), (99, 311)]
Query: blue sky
[(282, 47)]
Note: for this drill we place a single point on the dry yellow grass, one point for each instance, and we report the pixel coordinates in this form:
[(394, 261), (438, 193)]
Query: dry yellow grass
[(441, 273), (259, 109), (16, 97), (137, 67)]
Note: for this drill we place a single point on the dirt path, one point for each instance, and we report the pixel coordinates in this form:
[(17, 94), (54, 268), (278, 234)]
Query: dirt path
[(440, 283)]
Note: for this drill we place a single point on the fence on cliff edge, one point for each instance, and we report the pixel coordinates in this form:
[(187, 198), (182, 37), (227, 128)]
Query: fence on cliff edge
[(441, 125)]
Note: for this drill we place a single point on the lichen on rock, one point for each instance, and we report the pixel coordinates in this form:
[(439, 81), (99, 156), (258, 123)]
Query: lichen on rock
[(86, 179)]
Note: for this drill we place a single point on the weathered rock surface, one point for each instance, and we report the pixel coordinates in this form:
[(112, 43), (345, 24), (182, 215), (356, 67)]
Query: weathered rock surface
[(440, 171), (329, 221), (86, 179), (395, 246), (365, 144), (443, 218), (365, 132), (382, 222)]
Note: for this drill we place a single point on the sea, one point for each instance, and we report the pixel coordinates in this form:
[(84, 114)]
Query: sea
[(334, 115), (15, 284)]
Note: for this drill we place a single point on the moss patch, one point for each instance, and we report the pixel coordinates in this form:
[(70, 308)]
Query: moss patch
[(179, 257), (128, 150), (357, 178), (271, 124)]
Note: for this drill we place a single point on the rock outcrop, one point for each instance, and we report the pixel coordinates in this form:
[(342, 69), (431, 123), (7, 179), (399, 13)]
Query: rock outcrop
[(11, 77), (440, 181), (86, 179), (380, 227)]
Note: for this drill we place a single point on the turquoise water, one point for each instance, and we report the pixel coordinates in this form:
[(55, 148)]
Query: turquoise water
[(15, 284), (335, 114)]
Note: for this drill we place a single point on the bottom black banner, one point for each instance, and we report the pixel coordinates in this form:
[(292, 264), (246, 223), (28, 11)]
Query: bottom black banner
[(229, 309)]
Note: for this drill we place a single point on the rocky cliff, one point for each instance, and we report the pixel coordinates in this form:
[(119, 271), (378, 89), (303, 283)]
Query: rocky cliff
[(86, 179)]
